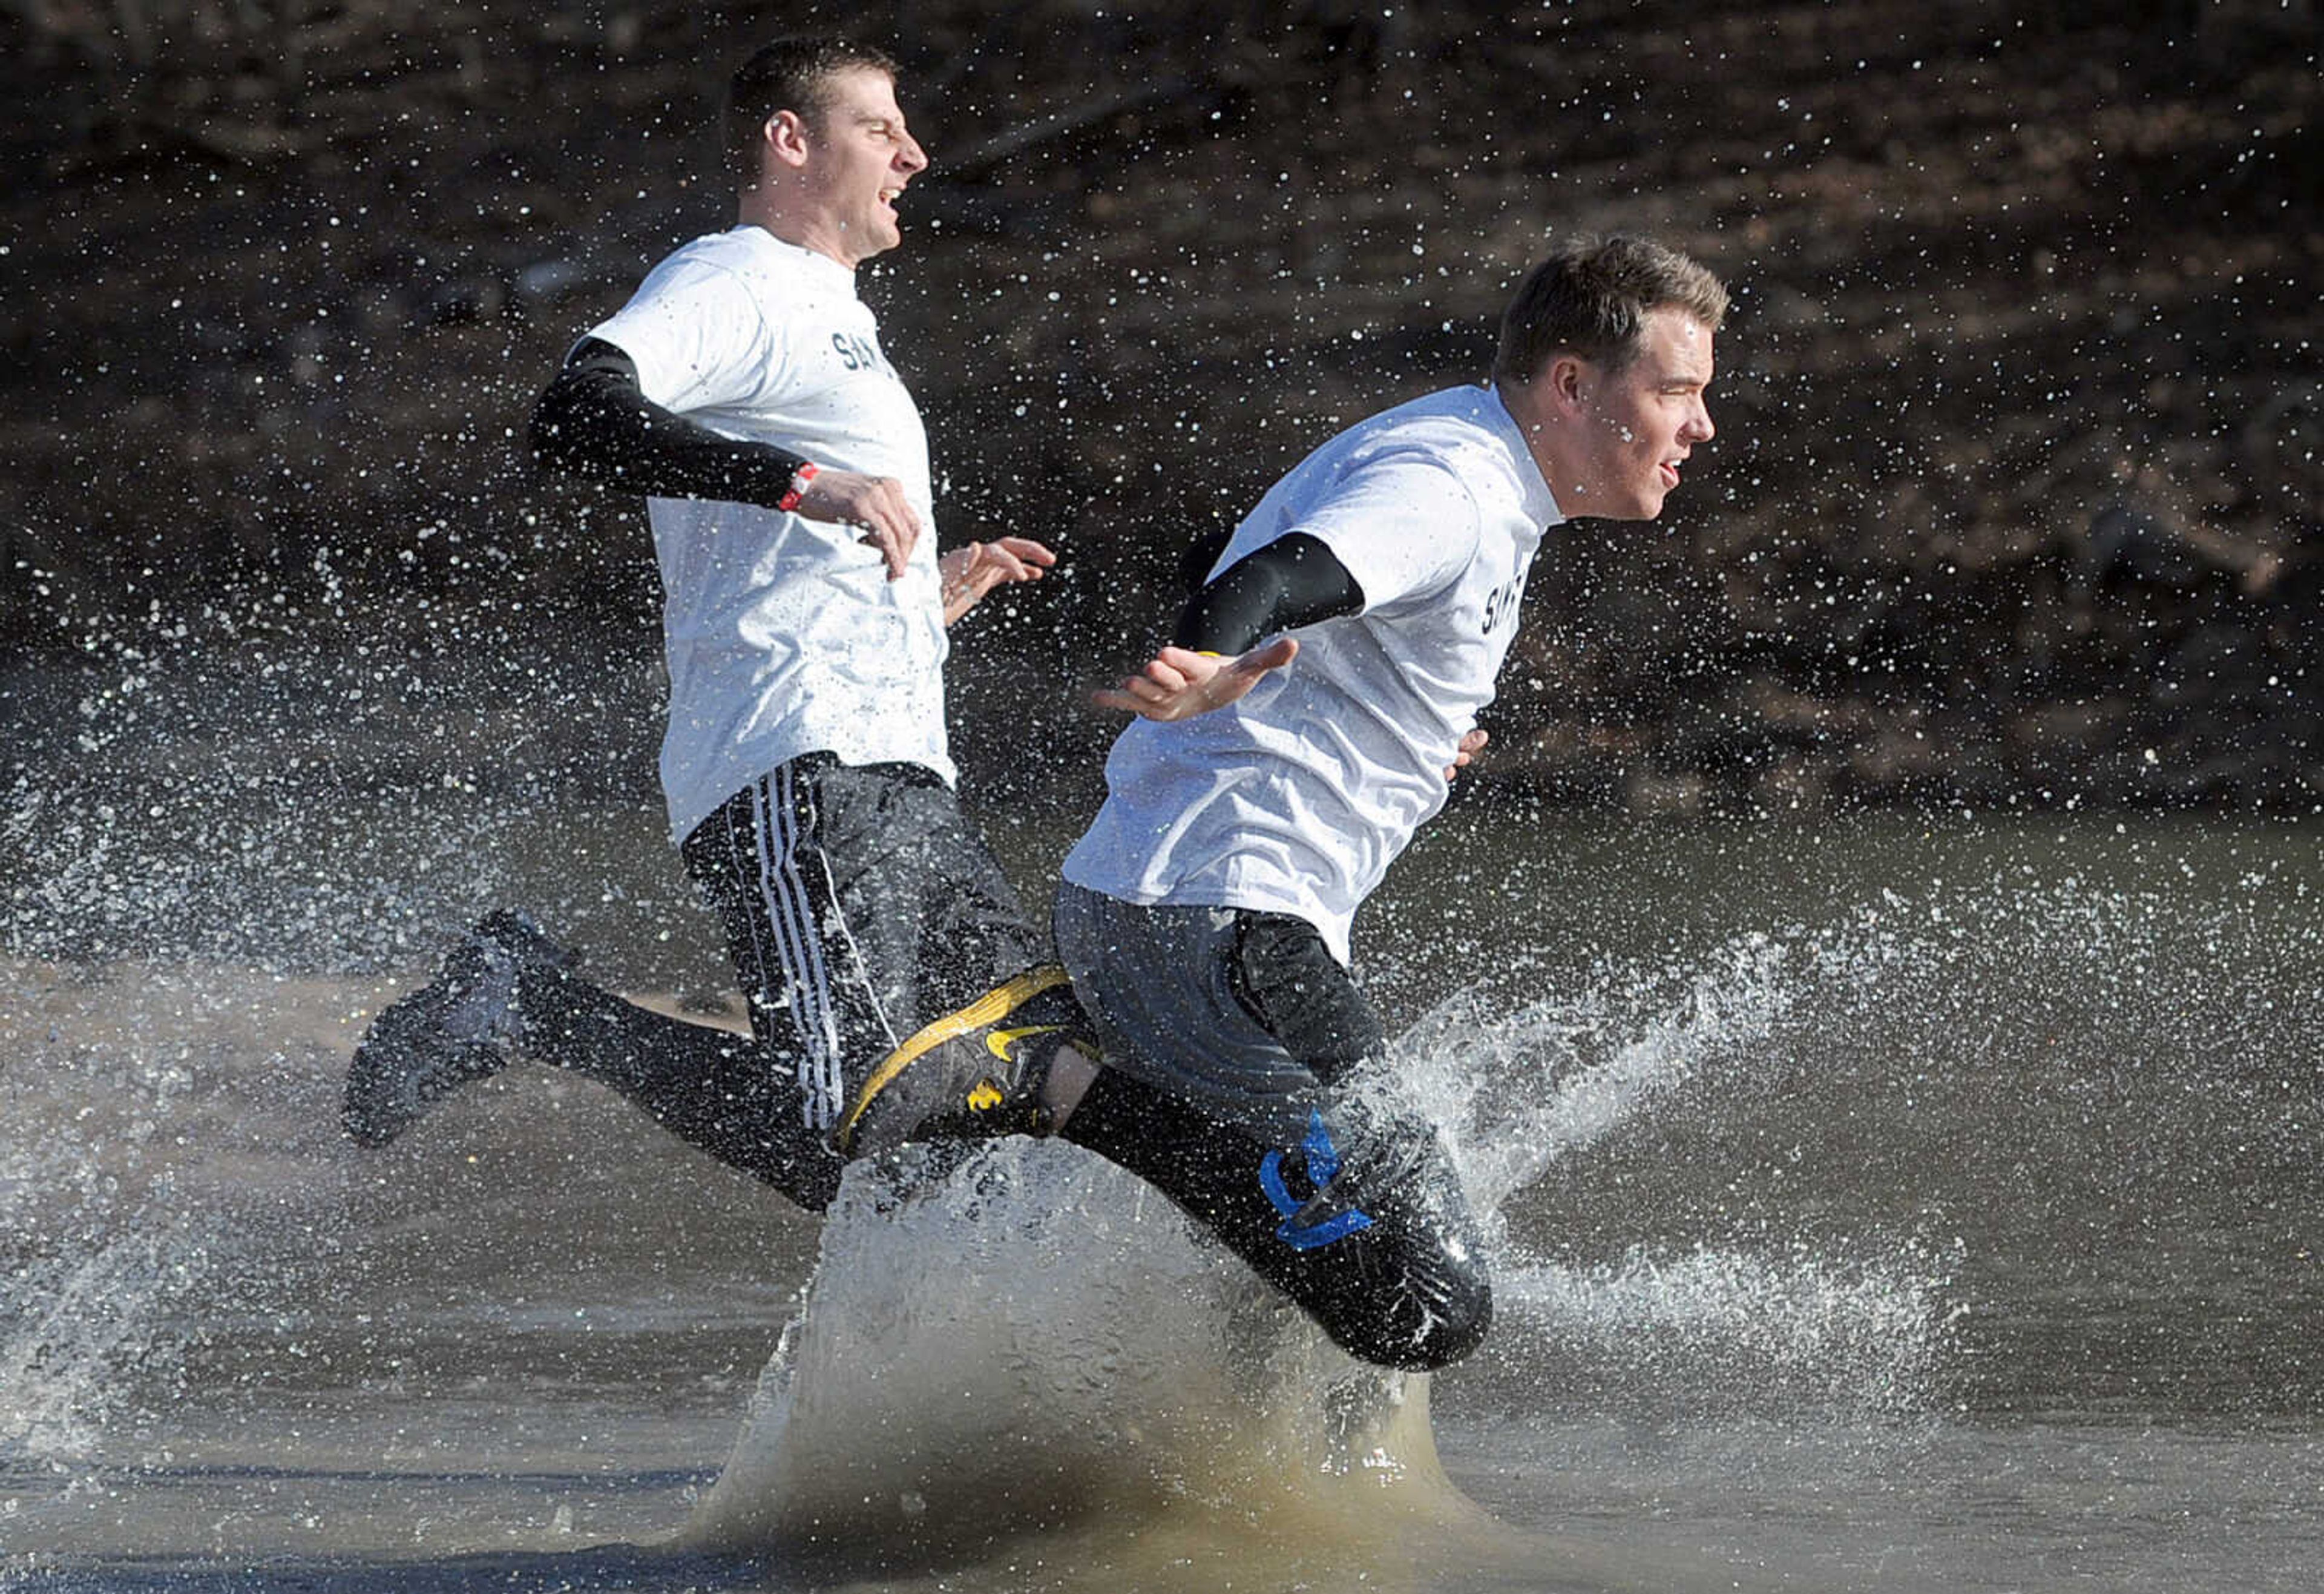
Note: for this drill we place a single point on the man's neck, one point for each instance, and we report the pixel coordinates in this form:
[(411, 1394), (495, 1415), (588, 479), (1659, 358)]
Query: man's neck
[(787, 227), (1525, 407)]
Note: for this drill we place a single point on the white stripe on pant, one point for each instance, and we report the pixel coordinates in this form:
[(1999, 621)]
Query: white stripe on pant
[(799, 914)]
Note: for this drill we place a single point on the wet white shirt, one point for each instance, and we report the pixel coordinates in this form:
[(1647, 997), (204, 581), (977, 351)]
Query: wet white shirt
[(784, 634), (1297, 799)]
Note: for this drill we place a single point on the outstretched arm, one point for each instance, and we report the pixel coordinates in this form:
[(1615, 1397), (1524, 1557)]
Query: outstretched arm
[(593, 422), (1293, 581)]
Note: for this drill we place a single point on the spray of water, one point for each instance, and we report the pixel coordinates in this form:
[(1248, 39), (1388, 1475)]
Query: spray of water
[(1039, 1339), (1033, 1340)]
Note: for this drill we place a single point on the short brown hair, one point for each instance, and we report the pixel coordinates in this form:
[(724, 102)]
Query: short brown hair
[(1589, 297), (790, 74)]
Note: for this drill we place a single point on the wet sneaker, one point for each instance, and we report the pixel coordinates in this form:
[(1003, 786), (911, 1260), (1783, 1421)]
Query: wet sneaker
[(973, 1074), (459, 1027)]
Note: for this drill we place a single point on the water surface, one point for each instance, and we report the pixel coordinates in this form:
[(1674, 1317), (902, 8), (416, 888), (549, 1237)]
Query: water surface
[(1897, 1204)]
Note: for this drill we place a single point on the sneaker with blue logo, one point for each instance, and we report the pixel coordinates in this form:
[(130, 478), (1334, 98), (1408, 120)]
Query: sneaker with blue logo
[(461, 1027)]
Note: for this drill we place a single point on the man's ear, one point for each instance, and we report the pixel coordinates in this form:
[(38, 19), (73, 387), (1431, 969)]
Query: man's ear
[(783, 140), (1565, 382)]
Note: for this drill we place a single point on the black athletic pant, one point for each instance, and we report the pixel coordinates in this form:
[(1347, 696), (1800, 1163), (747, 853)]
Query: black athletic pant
[(1409, 1291), (859, 904)]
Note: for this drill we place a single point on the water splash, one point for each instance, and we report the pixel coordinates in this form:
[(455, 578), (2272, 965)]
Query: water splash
[(1525, 1089), (1756, 1176), (151, 1162), (1725, 1333), (1785, 1325), (74, 1327), (1042, 1341), (278, 791), (1038, 1342)]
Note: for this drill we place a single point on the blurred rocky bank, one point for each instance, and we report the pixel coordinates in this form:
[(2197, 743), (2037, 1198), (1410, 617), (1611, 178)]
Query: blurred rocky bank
[(2016, 502)]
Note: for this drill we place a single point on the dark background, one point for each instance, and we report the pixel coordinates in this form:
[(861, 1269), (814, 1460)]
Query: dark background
[(2016, 501)]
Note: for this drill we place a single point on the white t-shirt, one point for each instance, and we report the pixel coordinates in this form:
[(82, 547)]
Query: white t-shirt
[(1297, 799), (784, 634)]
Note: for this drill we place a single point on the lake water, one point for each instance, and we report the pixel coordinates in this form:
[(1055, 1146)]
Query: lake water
[(1897, 1204)]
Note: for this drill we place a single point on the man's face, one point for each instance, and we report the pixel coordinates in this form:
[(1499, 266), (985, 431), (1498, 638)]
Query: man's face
[(859, 157), (1634, 424)]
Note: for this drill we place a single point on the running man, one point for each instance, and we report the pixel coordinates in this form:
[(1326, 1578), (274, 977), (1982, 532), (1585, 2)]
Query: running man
[(744, 389), (1321, 690)]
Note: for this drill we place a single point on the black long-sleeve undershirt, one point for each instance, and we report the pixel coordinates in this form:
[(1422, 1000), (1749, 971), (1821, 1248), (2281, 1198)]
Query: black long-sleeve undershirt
[(593, 421), (1293, 581)]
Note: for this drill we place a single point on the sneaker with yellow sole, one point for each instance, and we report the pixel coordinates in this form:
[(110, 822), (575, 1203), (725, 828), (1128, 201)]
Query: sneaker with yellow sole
[(972, 1075)]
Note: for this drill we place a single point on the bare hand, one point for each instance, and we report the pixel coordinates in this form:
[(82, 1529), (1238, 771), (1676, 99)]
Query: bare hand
[(1472, 743), (875, 505), (967, 574), (1178, 684)]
